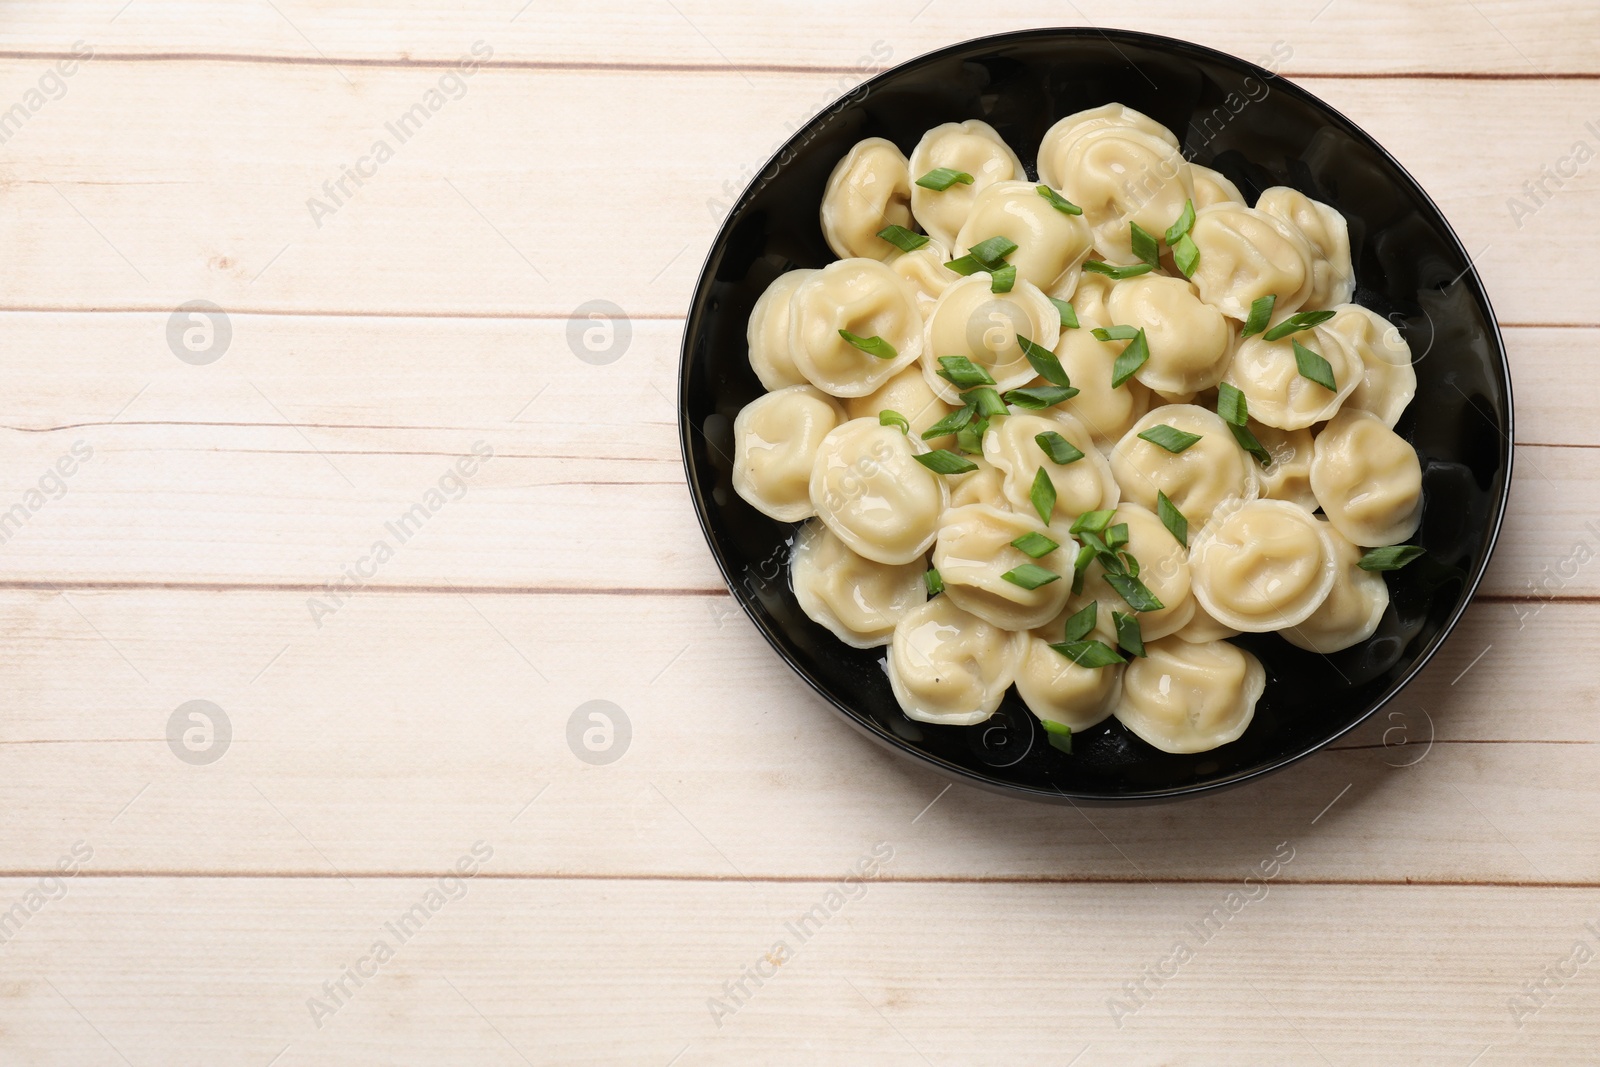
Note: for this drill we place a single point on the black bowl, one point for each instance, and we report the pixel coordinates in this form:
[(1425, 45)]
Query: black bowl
[(1258, 130)]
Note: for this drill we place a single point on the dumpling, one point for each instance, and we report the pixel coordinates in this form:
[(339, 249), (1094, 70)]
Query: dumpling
[(1057, 689), (1353, 609), (1333, 278), (1189, 339), (925, 271), (1368, 480), (1061, 137), (1051, 245), (868, 191), (880, 501), (1105, 412), (948, 666), (1246, 254), (1201, 627), (1210, 187), (972, 147), (1186, 696), (1163, 568), (906, 393), (768, 333), (1268, 374), (1083, 485), (973, 321), (974, 552), (1289, 475), (866, 298), (775, 443), (859, 600), (1262, 566), (1388, 381), (1120, 175), (1197, 480), (986, 485)]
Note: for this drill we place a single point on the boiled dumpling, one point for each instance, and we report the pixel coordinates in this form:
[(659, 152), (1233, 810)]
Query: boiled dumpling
[(973, 321), (1197, 480), (1367, 479), (1262, 566), (874, 495), (1058, 690), (1268, 374), (1247, 254), (1353, 609), (948, 666), (1188, 339), (1289, 475), (1163, 568), (859, 600), (1333, 279), (1105, 412), (986, 485), (1051, 245), (907, 393), (925, 271), (868, 191), (1211, 187), (1060, 137), (974, 552), (972, 147), (1083, 485), (768, 333), (1186, 696), (775, 443), (1120, 175), (1388, 381), (866, 298)]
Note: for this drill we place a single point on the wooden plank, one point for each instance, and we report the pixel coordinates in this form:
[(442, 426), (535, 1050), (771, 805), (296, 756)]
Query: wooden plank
[(407, 723), (123, 194), (201, 971), (310, 434), (1353, 35)]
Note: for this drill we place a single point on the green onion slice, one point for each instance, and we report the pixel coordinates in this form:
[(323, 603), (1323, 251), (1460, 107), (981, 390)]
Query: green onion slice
[(1184, 224), (1389, 559), (962, 373), (1043, 495), (1251, 444), (1059, 202), (1030, 576), (1172, 518), (1034, 545), (1003, 279), (932, 580), (1132, 590), (1094, 522), (1044, 362), (1186, 255), (1129, 637), (1115, 333), (1145, 245), (1091, 654), (1295, 323), (1170, 438), (1117, 274), (1069, 316), (1231, 405), (949, 424), (1059, 733), (1313, 367), (943, 461), (943, 178), (887, 417), (872, 346), (1082, 622), (1260, 315), (903, 239), (1058, 448), (1133, 357), (986, 400), (1038, 397)]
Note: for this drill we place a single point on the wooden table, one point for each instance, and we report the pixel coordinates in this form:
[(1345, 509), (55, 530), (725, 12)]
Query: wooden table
[(202, 494)]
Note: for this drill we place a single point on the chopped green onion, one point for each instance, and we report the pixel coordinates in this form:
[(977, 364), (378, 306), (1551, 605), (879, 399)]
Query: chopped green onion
[(1231, 405), (1003, 279), (1035, 545), (1093, 522), (1039, 397), (1116, 274), (965, 265), (1117, 536), (943, 461), (962, 373), (1389, 559), (970, 437), (1059, 734), (949, 424), (1172, 518), (1059, 202), (1043, 495), (1092, 654), (872, 346), (943, 178), (1313, 367), (1082, 622), (1129, 564), (903, 239), (1170, 438), (894, 418), (1144, 245), (932, 580), (1058, 448), (1186, 255), (1030, 576), (1044, 362), (1115, 333), (986, 400), (1129, 637), (1080, 567), (1250, 444), (1134, 592), (1133, 357), (1260, 315), (1069, 316), (993, 252), (1295, 323), (1184, 224)]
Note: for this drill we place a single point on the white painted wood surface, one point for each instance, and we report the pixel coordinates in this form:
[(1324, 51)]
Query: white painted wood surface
[(1446, 857)]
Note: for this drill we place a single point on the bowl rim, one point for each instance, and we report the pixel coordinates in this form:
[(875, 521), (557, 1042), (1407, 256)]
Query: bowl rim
[(1113, 36)]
